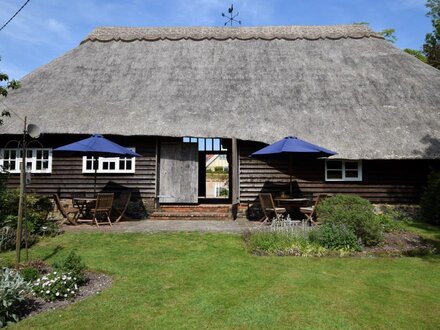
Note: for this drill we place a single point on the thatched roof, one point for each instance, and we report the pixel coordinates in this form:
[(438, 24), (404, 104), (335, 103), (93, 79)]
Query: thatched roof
[(341, 87)]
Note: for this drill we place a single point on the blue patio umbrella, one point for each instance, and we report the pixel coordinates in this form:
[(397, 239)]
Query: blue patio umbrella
[(291, 147), (96, 146)]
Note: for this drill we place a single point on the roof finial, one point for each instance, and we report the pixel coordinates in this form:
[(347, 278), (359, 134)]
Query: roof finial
[(230, 16)]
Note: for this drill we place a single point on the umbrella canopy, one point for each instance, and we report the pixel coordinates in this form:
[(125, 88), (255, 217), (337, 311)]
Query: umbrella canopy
[(291, 147), (96, 146)]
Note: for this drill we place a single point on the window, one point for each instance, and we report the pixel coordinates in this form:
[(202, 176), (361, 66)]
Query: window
[(38, 160), (206, 144), (109, 164), (343, 170)]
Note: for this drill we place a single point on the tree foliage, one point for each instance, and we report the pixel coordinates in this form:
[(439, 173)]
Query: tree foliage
[(416, 53), (431, 48), (389, 35), (5, 85)]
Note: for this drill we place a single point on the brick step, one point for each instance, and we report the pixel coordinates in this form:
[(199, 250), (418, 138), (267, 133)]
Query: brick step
[(195, 208), (190, 216)]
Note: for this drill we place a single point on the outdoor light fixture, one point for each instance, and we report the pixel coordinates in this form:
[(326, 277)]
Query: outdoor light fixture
[(34, 132)]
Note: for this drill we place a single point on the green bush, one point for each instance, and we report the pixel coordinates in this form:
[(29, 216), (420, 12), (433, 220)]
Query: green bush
[(336, 237), (284, 243), (389, 223), (8, 237), (356, 213), (29, 274), (55, 286), (13, 290), (73, 265), (430, 201), (37, 209)]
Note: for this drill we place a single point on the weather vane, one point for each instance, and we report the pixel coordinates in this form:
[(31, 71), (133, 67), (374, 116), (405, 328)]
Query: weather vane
[(230, 16)]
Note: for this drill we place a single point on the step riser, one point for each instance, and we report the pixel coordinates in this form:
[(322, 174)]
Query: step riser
[(188, 218), (177, 210)]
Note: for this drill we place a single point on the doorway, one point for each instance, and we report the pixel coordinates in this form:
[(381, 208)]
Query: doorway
[(214, 169), (195, 170)]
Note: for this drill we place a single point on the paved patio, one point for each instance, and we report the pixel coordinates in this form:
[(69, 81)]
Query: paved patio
[(156, 226)]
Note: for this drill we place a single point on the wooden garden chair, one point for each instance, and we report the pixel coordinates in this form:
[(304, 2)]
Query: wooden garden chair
[(269, 208), (310, 211), (103, 208), (121, 205), (66, 211)]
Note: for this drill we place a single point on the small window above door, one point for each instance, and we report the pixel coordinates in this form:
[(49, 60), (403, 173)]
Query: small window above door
[(206, 144)]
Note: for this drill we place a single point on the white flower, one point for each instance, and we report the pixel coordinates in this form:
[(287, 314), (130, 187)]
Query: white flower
[(57, 294), (76, 287), (64, 282), (68, 289), (55, 273), (65, 295), (47, 291)]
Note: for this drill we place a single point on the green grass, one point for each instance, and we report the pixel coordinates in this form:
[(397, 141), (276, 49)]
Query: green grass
[(194, 281)]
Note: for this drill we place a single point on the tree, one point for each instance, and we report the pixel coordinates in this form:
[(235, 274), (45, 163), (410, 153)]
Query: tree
[(5, 85), (416, 53), (431, 48), (389, 35)]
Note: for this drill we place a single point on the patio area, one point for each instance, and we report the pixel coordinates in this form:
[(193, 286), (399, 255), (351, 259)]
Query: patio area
[(156, 226)]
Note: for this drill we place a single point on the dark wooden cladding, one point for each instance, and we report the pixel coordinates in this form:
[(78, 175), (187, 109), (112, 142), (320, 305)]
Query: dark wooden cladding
[(67, 177), (384, 181)]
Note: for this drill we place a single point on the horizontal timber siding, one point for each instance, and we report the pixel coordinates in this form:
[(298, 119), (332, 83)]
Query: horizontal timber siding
[(384, 181), (67, 176)]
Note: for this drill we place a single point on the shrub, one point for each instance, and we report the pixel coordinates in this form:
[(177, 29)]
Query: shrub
[(336, 237), (37, 209), (13, 290), (8, 236), (356, 213), (73, 265), (284, 243), (29, 274), (56, 285), (388, 223), (430, 201)]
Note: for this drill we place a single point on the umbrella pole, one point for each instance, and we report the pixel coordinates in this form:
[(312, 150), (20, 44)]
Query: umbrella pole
[(290, 171), (95, 165)]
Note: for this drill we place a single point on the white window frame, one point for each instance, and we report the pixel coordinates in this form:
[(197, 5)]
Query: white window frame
[(32, 161), (116, 160), (344, 178)]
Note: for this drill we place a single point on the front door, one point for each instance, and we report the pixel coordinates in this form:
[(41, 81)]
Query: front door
[(179, 172)]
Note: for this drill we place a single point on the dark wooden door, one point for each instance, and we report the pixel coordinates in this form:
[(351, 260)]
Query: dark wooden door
[(179, 173)]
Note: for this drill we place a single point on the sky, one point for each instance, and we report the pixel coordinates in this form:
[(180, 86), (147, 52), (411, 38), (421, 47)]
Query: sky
[(46, 29)]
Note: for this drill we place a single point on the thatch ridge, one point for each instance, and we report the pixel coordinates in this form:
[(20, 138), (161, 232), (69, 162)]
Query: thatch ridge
[(333, 32)]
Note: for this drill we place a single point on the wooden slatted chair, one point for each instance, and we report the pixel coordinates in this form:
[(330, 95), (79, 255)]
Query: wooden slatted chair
[(310, 211), (269, 208), (103, 208), (66, 211), (121, 205)]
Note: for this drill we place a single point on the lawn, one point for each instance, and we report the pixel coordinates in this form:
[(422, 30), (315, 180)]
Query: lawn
[(194, 280)]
